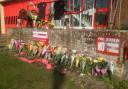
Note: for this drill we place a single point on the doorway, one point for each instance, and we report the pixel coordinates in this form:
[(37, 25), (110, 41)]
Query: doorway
[(126, 53)]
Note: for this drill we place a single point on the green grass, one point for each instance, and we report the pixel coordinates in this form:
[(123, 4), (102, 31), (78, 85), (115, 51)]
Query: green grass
[(119, 84), (116, 82), (15, 74)]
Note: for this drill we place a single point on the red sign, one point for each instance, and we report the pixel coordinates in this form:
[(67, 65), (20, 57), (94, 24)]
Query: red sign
[(108, 45), (40, 36)]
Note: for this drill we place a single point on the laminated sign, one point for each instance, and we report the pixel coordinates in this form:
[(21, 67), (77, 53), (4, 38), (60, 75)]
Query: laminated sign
[(108, 45), (40, 36)]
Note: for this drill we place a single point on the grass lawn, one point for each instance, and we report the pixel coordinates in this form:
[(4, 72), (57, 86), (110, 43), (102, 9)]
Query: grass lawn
[(15, 74)]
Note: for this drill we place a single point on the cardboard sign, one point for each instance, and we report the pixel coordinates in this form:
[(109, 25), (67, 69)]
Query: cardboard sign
[(40, 36), (108, 45)]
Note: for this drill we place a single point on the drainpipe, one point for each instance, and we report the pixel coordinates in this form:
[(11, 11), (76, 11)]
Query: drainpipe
[(120, 11), (2, 24), (69, 15), (111, 15)]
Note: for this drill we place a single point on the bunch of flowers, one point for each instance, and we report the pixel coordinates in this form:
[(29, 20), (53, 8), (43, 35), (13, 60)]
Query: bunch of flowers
[(59, 55)]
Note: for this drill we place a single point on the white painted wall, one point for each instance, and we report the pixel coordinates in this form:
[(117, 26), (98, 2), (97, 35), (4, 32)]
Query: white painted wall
[(2, 24)]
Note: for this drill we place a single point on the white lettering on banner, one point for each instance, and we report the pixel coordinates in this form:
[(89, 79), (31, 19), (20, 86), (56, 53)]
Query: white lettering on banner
[(101, 46), (112, 40), (101, 38), (40, 35), (108, 45), (112, 45), (113, 50)]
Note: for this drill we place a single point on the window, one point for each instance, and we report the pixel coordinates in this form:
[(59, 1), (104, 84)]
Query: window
[(101, 18), (16, 19), (6, 20), (80, 20), (9, 20), (101, 3), (75, 5), (89, 4)]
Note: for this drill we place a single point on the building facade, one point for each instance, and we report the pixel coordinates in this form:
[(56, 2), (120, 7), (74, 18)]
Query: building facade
[(78, 14)]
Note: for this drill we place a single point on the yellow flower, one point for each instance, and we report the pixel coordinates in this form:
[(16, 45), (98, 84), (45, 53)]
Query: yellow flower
[(41, 43), (9, 46), (30, 47), (100, 59)]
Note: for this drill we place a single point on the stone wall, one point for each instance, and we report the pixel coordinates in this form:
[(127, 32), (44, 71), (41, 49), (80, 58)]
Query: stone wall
[(81, 40)]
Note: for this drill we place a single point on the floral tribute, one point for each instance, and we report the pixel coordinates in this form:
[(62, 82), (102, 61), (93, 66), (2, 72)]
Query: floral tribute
[(36, 51)]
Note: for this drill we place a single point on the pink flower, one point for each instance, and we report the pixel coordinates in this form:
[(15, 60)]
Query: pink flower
[(97, 69), (45, 61), (22, 53), (49, 66), (26, 60), (104, 71)]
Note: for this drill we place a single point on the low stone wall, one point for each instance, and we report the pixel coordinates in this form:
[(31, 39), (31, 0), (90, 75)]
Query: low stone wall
[(81, 40)]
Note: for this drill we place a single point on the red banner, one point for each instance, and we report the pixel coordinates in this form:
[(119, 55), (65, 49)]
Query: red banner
[(108, 45), (40, 36)]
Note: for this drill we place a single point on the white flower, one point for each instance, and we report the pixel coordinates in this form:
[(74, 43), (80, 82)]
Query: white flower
[(89, 58), (95, 61), (74, 51)]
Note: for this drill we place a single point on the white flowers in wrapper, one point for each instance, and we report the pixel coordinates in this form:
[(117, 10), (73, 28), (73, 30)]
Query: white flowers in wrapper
[(64, 50), (112, 66), (58, 50), (9, 46), (95, 61), (74, 51), (89, 58), (72, 60)]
